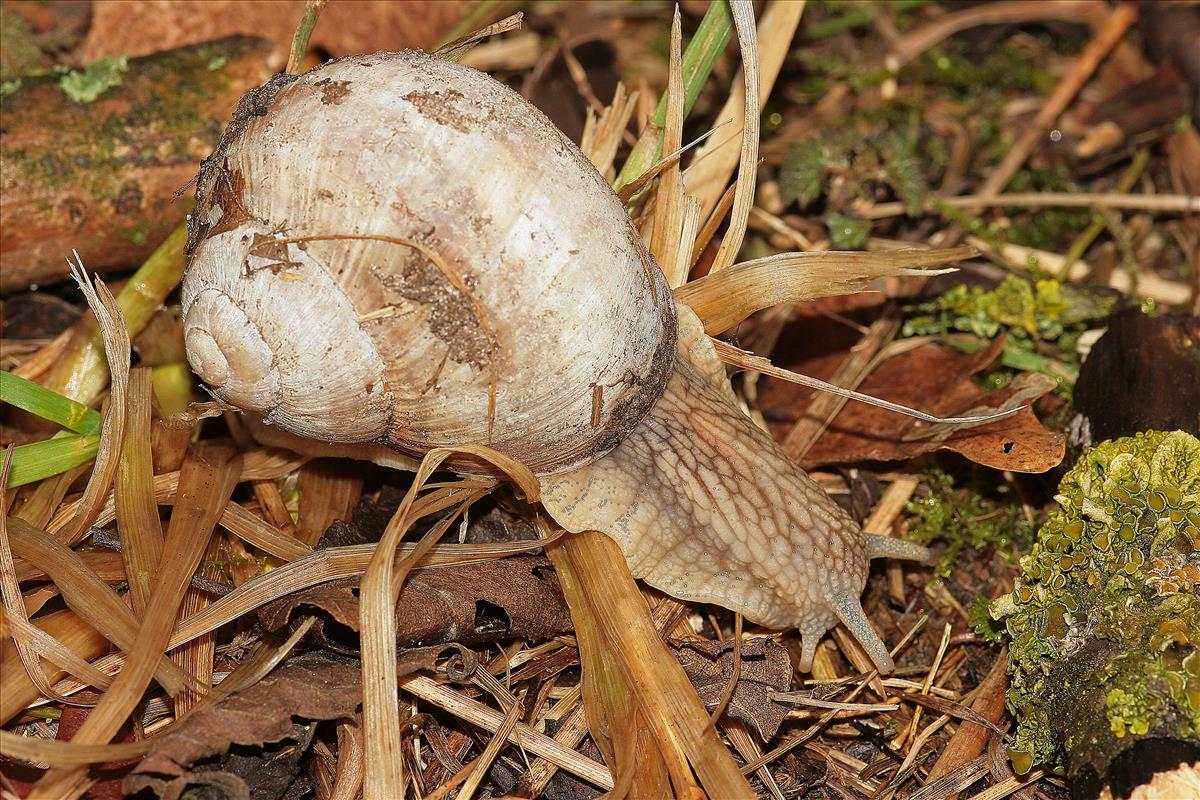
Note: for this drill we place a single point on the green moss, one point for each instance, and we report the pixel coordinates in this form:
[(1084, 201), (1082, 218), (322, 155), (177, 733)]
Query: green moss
[(1047, 228), (85, 85), (1041, 320), (1105, 618), (165, 117), (967, 77), (19, 51), (981, 620), (802, 172), (963, 519), (847, 233)]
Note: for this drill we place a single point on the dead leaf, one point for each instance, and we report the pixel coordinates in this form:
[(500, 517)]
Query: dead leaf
[(937, 380), (345, 27), (766, 668), (492, 601), (314, 686)]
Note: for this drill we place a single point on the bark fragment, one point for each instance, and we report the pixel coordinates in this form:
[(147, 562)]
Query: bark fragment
[(101, 177)]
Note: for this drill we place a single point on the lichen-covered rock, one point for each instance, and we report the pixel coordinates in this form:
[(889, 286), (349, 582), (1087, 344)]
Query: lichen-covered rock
[(1105, 619)]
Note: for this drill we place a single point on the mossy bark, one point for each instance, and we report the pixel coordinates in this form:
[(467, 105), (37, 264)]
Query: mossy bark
[(101, 177)]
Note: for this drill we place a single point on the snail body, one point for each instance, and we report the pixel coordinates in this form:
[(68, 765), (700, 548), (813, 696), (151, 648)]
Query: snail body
[(397, 250)]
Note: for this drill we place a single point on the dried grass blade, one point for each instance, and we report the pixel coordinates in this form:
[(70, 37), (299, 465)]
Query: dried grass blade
[(206, 482), (327, 565), (81, 372), (112, 431), (737, 357), (348, 780), (48, 495), (262, 534), (40, 362), (87, 595), (970, 740), (602, 137), (747, 746), (669, 207), (610, 705), (57, 654), (329, 490), (743, 198), (382, 731), (24, 639), (592, 564), (630, 190), (262, 464), (573, 729), (724, 299), (137, 511), (196, 657), (68, 754), (455, 50), (481, 765), (379, 590), (16, 690), (489, 719), (709, 229), (710, 171)]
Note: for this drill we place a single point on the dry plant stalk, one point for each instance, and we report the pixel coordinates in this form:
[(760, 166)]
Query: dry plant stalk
[(17, 690), (379, 591), (206, 482), (89, 597), (328, 492), (714, 164), (726, 298), (115, 337), (134, 496), (611, 615)]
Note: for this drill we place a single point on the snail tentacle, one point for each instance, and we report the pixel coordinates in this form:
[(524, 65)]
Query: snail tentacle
[(891, 547)]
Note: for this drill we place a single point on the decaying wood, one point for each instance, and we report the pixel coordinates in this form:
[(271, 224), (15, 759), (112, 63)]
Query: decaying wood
[(100, 177)]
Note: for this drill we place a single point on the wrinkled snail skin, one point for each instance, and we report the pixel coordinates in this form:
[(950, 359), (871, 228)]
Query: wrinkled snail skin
[(397, 250)]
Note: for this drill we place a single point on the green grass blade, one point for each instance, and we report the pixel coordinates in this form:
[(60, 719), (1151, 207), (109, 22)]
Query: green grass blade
[(712, 35), (33, 462), (39, 400)]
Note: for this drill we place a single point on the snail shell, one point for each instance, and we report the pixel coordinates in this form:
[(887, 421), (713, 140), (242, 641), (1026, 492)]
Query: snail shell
[(404, 251), (396, 250)]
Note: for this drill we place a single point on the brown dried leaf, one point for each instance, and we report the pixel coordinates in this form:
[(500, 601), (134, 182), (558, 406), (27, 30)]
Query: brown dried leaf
[(486, 602), (937, 380), (766, 668), (311, 687)]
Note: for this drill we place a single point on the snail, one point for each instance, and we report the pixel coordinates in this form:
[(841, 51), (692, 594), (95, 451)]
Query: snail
[(397, 250)]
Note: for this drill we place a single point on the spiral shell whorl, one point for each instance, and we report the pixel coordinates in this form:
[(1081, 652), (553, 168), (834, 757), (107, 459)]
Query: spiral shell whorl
[(289, 349)]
